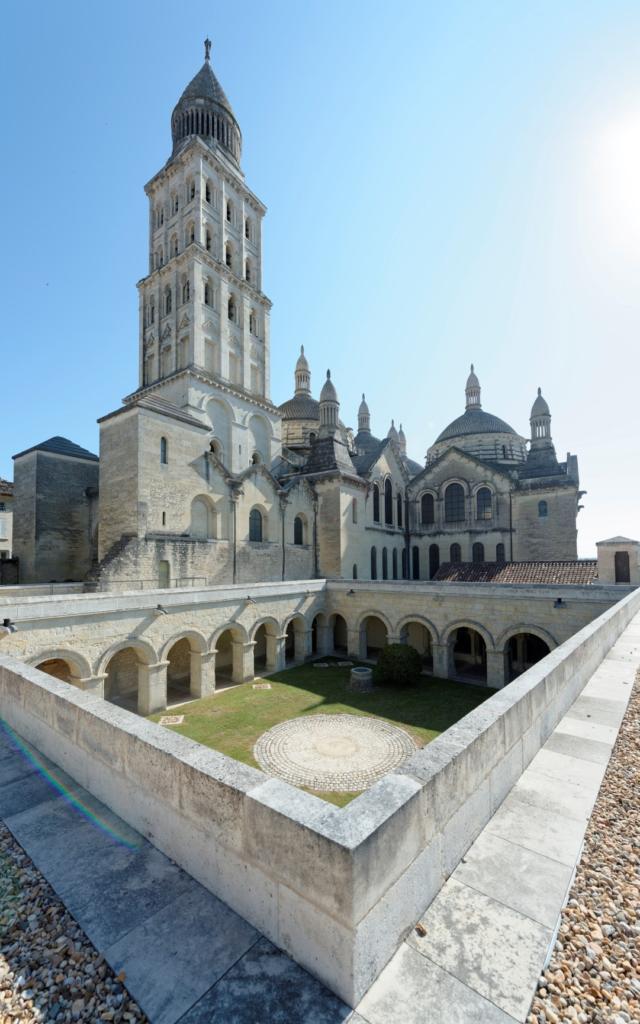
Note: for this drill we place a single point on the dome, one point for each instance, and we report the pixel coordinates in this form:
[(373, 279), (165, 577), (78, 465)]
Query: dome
[(302, 363), (475, 421), (328, 393), (203, 110), (300, 407), (472, 380), (363, 409), (539, 407)]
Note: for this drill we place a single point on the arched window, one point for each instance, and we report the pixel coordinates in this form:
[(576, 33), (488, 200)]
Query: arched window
[(385, 564), (247, 228), (455, 554), (399, 508), (207, 241), (186, 291), (434, 560), (454, 511), (228, 255), (231, 308), (164, 451), (152, 310), (298, 530), (192, 189), (174, 245), (543, 509), (500, 553), (354, 510), (404, 563), (388, 503), (394, 562), (191, 232), (415, 563), (477, 552), (247, 270), (252, 322), (207, 293), (376, 505), (355, 571), (374, 564), (427, 510), (167, 301), (175, 206), (229, 211), (255, 525), (484, 504)]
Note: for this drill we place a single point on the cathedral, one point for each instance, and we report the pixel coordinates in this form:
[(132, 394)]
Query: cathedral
[(201, 479)]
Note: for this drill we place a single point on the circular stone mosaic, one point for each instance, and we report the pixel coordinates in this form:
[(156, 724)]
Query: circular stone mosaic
[(333, 753)]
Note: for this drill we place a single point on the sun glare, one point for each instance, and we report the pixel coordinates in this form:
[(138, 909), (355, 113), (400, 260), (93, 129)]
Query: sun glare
[(618, 178)]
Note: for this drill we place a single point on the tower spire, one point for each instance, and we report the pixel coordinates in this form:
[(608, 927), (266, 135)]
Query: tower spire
[(364, 416), (302, 374), (472, 391), (329, 408), (207, 49)]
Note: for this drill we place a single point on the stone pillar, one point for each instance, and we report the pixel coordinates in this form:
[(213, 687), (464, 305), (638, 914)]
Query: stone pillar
[(203, 673), (396, 638), (357, 643), (243, 669), (442, 660), (496, 669), (325, 640), (302, 644), (276, 652), (152, 688), (93, 684)]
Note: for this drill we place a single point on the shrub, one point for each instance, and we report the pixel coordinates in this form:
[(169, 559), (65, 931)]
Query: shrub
[(398, 665)]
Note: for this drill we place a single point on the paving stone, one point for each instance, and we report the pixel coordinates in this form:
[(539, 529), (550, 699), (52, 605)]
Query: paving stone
[(542, 831), (333, 753), (589, 729), (598, 709), (579, 746), (571, 800), (528, 882), (488, 947), (414, 990), (177, 954), (266, 985), (563, 768), (32, 789)]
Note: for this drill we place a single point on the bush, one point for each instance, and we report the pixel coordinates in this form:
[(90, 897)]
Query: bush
[(398, 665)]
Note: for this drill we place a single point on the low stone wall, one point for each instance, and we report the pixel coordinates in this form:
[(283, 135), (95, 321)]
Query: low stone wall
[(336, 888)]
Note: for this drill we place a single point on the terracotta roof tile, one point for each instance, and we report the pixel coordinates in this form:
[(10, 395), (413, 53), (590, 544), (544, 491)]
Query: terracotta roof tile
[(582, 572)]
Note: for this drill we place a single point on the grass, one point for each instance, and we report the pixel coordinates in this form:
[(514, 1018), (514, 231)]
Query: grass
[(232, 720)]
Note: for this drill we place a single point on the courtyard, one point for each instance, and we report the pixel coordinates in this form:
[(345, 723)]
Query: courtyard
[(233, 719)]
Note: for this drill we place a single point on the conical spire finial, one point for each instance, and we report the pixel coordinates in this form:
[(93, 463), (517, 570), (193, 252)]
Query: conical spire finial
[(364, 417), (207, 49), (302, 374), (472, 391)]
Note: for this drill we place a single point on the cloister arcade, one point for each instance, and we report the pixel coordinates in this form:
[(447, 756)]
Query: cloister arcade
[(137, 676)]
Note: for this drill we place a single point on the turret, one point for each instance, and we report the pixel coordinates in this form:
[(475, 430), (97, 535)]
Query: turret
[(302, 374), (329, 408), (540, 421), (364, 417), (402, 441), (393, 433), (472, 391)]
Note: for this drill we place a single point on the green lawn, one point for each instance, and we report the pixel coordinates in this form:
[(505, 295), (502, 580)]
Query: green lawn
[(232, 720)]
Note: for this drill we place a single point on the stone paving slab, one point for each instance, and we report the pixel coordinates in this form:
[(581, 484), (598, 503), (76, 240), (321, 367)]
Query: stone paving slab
[(541, 831), (596, 751)]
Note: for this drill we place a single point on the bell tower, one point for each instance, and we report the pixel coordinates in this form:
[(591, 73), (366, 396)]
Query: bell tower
[(204, 319)]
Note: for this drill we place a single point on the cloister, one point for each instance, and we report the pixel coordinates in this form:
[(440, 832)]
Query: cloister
[(147, 650)]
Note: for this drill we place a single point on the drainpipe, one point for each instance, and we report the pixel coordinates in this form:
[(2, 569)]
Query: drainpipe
[(283, 503), (316, 572), (234, 506), (510, 529)]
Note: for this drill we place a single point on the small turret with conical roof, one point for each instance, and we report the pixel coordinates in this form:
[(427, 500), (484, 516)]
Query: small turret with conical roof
[(364, 417), (402, 441), (472, 391), (329, 408), (302, 374), (393, 433)]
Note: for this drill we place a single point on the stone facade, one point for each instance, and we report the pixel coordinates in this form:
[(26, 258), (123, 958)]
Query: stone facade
[(203, 480)]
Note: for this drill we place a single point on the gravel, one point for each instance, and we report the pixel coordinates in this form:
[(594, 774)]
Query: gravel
[(49, 971), (594, 973)]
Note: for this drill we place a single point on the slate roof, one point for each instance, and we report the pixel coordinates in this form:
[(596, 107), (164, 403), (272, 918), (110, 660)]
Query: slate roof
[(582, 571), (206, 86), (6, 487), (327, 455), (475, 421), (60, 446), (300, 407), (160, 405), (618, 540), (413, 467)]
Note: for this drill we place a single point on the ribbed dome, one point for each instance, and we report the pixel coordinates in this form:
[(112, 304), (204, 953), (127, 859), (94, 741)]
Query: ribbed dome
[(363, 409), (475, 421), (300, 407), (539, 407), (472, 380), (203, 110), (302, 363)]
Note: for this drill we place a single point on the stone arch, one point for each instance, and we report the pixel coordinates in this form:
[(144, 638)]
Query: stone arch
[(221, 416), (468, 643), (228, 644), (203, 524), (419, 634), (374, 635), (197, 642), (378, 615), (423, 621), (524, 647), (264, 636), (338, 639), (128, 677), (68, 666), (295, 632), (319, 630), (146, 651), (259, 438), (522, 627)]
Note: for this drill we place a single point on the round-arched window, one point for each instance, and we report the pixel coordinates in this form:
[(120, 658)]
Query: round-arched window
[(255, 524), (454, 510)]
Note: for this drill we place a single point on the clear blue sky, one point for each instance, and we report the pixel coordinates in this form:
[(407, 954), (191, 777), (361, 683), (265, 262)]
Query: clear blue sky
[(446, 183)]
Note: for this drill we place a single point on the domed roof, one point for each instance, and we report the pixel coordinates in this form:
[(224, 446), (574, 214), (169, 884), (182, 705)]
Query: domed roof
[(300, 407), (539, 407), (328, 393), (205, 86), (363, 409), (475, 421), (302, 363), (472, 380)]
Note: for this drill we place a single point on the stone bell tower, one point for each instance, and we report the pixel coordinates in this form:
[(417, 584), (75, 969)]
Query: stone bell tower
[(204, 319)]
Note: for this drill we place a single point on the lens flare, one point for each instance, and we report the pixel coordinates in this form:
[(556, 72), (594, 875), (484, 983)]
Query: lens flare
[(50, 776)]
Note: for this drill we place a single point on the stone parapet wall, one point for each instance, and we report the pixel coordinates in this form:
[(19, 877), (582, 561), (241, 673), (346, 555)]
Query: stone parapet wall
[(336, 888)]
